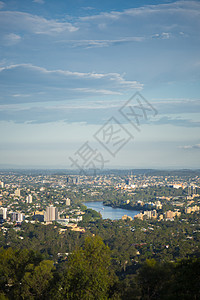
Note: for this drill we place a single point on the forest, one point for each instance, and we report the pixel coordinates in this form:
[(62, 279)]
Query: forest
[(111, 260), (88, 274)]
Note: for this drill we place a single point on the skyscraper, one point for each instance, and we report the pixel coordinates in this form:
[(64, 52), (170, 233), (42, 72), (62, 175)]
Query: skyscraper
[(194, 190), (51, 214), (189, 190), (29, 199), (1, 184), (17, 217), (3, 213)]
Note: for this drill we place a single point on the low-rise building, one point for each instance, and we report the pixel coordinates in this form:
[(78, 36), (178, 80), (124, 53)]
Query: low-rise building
[(125, 217)]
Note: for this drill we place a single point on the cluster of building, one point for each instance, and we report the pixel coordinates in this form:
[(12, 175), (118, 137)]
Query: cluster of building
[(125, 217), (15, 216), (3, 213), (143, 181), (147, 214), (152, 214), (156, 204), (51, 214), (191, 209), (170, 215), (44, 197), (48, 215)]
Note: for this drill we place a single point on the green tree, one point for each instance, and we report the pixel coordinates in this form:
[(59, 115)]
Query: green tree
[(186, 277), (13, 264), (152, 279), (36, 281), (88, 276)]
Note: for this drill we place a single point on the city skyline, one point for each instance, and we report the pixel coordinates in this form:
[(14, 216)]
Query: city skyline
[(67, 68)]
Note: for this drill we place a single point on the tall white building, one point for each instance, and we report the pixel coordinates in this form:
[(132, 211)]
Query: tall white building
[(29, 199), (68, 202), (150, 214), (3, 213), (17, 217), (2, 184), (51, 214)]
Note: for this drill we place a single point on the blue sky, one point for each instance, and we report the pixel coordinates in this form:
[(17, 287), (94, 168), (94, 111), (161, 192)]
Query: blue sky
[(66, 67)]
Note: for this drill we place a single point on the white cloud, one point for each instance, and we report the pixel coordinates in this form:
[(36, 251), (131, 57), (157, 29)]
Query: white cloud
[(178, 121), (162, 21), (39, 1), (88, 8), (21, 95), (31, 23), (163, 35), (102, 43), (115, 78), (183, 7), (96, 91), (60, 84), (117, 24), (190, 147), (11, 39)]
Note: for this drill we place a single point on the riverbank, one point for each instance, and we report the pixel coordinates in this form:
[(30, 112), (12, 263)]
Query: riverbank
[(124, 206)]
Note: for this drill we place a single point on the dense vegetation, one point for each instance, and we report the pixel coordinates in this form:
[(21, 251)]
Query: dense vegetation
[(111, 260), (117, 198), (88, 274)]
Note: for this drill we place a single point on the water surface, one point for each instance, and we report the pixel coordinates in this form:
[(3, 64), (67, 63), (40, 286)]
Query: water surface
[(108, 212)]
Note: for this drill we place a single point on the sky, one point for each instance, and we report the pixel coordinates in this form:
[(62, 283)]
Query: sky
[(99, 84)]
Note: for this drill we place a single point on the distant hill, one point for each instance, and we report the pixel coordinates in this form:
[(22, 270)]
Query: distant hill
[(120, 172)]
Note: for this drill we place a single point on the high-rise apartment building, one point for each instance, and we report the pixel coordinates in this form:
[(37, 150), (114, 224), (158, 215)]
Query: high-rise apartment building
[(29, 199), (2, 184), (51, 214), (68, 202), (194, 190), (150, 214), (17, 217), (3, 213), (189, 190)]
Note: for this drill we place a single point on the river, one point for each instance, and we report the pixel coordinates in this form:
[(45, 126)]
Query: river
[(108, 212)]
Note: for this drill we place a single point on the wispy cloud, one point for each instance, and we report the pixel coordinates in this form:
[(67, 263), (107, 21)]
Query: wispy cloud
[(163, 35), (99, 43), (21, 95), (176, 122), (59, 84), (27, 22), (39, 115), (87, 111), (121, 27), (190, 147), (178, 106), (11, 39), (182, 7), (160, 21), (39, 1), (114, 77), (96, 91), (88, 8), (102, 43)]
